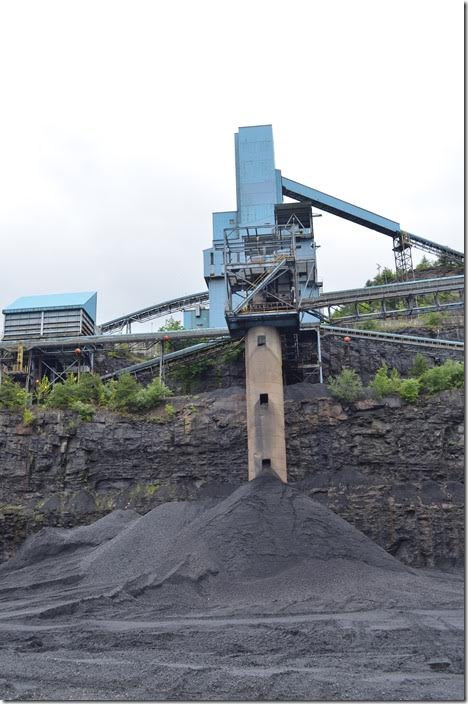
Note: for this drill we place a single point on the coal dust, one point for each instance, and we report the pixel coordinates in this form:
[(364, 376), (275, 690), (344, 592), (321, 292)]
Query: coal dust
[(265, 594)]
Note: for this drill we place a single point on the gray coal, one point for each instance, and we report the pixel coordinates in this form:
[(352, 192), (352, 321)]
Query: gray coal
[(266, 557)]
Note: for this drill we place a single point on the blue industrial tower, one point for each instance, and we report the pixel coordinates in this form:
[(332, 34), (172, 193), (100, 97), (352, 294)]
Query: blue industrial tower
[(262, 262)]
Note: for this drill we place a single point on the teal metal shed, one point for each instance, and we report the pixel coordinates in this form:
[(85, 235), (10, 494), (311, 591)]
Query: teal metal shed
[(52, 315)]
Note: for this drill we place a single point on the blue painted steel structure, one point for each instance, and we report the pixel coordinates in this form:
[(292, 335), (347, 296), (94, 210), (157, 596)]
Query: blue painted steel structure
[(340, 207), (260, 188), (56, 301), (52, 315), (259, 193), (197, 318)]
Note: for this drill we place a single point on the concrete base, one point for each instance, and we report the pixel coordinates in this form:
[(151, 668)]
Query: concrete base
[(265, 402)]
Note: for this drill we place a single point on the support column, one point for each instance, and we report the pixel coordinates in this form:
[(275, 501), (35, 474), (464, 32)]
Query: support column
[(265, 402)]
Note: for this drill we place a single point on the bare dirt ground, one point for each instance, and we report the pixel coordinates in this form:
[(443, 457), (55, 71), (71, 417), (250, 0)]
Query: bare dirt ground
[(263, 595)]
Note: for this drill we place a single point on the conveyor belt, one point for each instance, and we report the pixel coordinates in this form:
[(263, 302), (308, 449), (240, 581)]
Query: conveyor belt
[(402, 289), (170, 357), (100, 341), (155, 311), (397, 313), (354, 213), (378, 336)]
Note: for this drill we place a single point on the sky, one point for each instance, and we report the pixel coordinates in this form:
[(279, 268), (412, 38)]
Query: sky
[(117, 121)]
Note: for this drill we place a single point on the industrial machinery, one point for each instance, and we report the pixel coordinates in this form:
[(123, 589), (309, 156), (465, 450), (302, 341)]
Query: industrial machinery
[(263, 285)]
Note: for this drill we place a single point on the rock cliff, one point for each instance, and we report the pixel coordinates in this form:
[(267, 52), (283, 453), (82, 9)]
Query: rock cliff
[(395, 471)]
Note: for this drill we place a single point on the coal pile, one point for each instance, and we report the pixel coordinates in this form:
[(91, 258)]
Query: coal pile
[(263, 595), (265, 548)]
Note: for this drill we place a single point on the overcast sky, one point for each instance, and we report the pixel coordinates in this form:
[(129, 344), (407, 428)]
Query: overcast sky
[(117, 122)]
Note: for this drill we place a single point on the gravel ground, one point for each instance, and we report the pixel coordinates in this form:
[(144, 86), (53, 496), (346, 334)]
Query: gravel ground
[(263, 595)]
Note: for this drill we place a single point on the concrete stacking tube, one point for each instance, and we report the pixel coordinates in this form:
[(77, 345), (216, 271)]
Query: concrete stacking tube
[(265, 402)]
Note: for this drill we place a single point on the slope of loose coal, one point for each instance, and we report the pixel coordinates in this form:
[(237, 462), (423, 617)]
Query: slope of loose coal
[(267, 548), (49, 542), (260, 530), (138, 549)]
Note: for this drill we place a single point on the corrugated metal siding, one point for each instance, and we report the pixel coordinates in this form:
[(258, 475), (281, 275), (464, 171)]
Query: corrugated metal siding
[(47, 323)]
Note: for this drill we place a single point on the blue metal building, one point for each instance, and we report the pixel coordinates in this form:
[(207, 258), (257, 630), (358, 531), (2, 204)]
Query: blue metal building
[(53, 315)]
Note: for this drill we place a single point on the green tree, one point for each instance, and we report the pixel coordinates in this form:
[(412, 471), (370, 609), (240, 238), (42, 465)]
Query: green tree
[(171, 324), (124, 393), (449, 375), (425, 263), (385, 382), (63, 394), (433, 319), (419, 366), (386, 276), (346, 386), (128, 395), (409, 389), (42, 390), (12, 395)]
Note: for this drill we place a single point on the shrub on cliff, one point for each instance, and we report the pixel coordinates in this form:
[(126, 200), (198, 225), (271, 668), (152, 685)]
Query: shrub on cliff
[(419, 366), (347, 386), (449, 375), (385, 383), (409, 389), (126, 394), (87, 390), (64, 394), (12, 395), (85, 410)]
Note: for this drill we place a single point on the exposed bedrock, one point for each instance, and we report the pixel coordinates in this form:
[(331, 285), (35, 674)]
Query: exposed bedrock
[(394, 471), (363, 355)]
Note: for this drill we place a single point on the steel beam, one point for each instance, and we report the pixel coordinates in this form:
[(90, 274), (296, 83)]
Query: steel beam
[(401, 289), (368, 219), (111, 340), (398, 312), (379, 336), (261, 285), (155, 311), (168, 358)]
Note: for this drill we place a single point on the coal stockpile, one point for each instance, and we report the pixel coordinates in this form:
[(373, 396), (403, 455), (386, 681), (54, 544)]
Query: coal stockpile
[(261, 595)]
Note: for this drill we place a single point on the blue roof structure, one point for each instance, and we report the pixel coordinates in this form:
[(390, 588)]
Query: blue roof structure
[(86, 300)]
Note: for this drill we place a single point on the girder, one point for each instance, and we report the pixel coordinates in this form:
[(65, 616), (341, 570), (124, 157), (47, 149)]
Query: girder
[(154, 311), (402, 289), (111, 340), (364, 217), (414, 340), (398, 312), (169, 358)]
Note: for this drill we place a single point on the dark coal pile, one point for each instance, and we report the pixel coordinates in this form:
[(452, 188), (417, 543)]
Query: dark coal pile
[(53, 541), (266, 561)]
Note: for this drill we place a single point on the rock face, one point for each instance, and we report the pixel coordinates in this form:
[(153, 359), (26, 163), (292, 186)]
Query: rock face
[(363, 355), (394, 471), (366, 356)]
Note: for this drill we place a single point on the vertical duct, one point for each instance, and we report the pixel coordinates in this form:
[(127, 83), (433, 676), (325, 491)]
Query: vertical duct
[(265, 402)]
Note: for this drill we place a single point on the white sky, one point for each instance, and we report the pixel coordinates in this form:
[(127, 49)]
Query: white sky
[(117, 122)]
